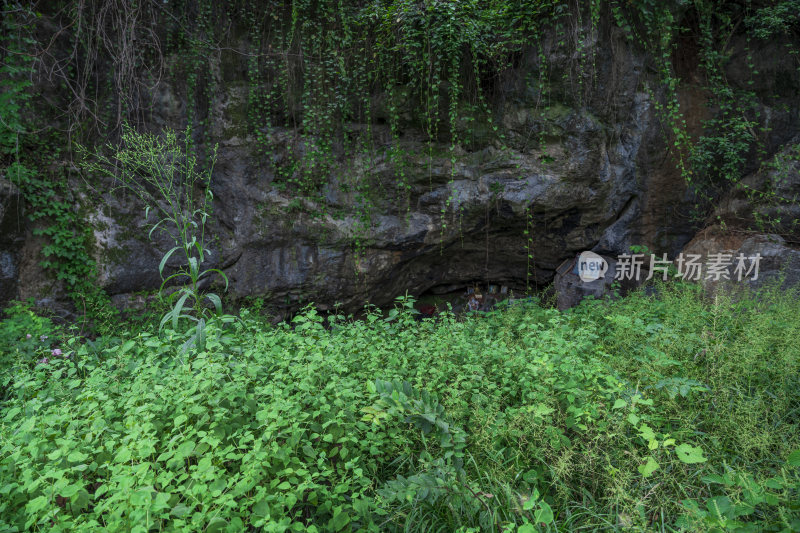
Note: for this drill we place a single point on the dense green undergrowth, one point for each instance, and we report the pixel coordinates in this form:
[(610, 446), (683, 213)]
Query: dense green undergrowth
[(676, 412)]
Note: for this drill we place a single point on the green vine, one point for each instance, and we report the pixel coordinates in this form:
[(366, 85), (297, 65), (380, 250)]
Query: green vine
[(30, 160), (338, 90)]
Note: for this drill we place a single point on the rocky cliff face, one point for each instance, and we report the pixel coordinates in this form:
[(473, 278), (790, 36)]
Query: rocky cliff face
[(459, 224), (590, 171), (759, 219), (12, 237)]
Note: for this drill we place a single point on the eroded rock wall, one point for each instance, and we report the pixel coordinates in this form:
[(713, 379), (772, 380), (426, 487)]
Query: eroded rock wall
[(590, 170)]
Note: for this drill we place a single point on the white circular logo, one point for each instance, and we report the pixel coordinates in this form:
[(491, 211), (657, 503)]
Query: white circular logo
[(591, 266)]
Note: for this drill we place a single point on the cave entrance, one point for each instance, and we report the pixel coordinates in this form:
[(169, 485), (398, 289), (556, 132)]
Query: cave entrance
[(468, 296)]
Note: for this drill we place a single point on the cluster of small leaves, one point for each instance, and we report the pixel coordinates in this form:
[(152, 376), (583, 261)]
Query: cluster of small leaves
[(776, 193), (30, 333), (24, 160), (774, 20), (715, 161), (720, 154), (746, 498)]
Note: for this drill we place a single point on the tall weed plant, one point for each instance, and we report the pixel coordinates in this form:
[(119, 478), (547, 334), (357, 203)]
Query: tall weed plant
[(166, 176)]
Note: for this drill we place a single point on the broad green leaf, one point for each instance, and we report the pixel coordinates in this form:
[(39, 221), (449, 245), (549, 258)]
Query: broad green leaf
[(719, 506), (180, 510), (123, 455), (649, 467), (178, 309), (216, 524), (70, 490), (164, 259), (774, 483), (140, 498), (542, 410), (76, 457), (647, 432), (340, 520), (127, 346), (216, 301), (36, 505), (529, 504), (55, 454), (690, 454), (794, 458), (544, 513), (261, 508), (185, 449)]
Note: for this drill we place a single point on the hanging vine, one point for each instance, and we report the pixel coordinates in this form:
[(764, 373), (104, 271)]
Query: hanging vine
[(337, 88)]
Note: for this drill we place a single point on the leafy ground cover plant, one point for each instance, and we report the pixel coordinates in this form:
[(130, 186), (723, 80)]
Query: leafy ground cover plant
[(668, 414)]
